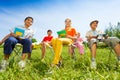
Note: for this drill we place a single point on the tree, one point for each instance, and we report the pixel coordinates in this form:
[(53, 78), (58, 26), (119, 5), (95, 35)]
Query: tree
[(113, 30), (34, 40)]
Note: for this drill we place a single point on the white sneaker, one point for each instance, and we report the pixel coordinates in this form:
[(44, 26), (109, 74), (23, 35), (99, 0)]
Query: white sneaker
[(22, 64), (93, 65), (4, 65)]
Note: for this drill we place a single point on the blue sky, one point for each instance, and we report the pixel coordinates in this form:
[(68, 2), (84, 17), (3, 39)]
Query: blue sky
[(50, 14)]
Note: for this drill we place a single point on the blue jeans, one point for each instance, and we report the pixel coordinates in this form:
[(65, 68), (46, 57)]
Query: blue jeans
[(12, 41)]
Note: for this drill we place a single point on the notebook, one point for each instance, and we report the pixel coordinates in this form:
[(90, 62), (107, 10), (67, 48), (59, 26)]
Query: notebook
[(62, 33), (19, 31)]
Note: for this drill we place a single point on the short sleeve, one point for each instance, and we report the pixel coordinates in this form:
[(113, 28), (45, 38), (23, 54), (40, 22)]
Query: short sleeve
[(74, 32), (87, 34)]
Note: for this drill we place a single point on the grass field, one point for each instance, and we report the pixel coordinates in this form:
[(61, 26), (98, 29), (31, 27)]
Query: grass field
[(70, 70)]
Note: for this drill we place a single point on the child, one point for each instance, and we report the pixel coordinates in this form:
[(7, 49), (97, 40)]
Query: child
[(78, 42), (57, 43), (45, 42), (93, 40), (12, 39)]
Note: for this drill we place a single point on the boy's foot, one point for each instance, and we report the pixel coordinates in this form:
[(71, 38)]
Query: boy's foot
[(22, 64), (4, 65), (93, 65)]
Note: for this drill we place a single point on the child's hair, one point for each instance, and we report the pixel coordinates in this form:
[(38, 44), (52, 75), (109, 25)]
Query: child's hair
[(28, 18), (67, 19), (78, 32), (94, 21), (49, 30)]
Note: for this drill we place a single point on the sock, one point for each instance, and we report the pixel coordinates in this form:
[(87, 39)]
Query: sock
[(93, 59)]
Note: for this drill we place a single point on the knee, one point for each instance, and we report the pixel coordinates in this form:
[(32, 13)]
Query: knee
[(43, 44), (94, 45), (11, 40), (28, 41)]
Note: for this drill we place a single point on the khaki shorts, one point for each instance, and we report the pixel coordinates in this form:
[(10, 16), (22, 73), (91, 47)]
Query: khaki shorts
[(112, 41), (92, 41)]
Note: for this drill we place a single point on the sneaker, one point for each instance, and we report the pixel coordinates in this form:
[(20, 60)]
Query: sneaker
[(4, 65), (22, 64), (93, 65), (59, 64)]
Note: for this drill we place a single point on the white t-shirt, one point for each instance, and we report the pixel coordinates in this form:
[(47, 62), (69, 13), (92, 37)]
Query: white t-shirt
[(94, 33), (28, 31)]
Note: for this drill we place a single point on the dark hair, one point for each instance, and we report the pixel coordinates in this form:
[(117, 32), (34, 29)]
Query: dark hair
[(28, 18), (49, 30), (94, 21), (67, 19)]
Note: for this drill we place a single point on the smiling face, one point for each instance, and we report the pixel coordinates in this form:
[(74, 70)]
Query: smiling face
[(67, 22), (49, 33), (94, 25), (28, 22)]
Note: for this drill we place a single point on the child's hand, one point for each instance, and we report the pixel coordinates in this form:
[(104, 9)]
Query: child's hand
[(13, 35), (1, 42), (90, 37)]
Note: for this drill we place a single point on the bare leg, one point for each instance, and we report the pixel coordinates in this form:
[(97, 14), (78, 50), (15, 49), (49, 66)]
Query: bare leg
[(24, 56), (6, 56), (43, 50), (93, 50), (29, 55), (117, 50), (71, 51)]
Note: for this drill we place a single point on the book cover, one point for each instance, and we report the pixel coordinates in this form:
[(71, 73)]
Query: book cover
[(19, 31), (62, 33)]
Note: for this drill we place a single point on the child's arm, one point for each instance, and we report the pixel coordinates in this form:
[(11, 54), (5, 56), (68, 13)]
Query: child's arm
[(5, 38), (71, 37), (14, 35), (91, 37)]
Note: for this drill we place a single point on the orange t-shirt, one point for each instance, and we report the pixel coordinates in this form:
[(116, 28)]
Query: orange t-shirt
[(71, 31)]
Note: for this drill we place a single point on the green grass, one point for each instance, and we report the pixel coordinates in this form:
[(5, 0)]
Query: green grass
[(70, 70)]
